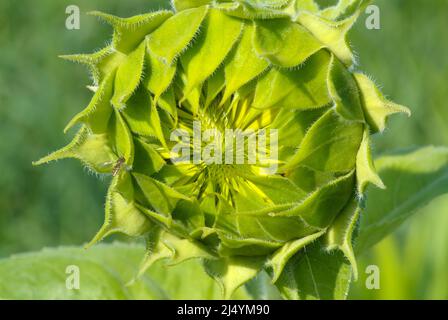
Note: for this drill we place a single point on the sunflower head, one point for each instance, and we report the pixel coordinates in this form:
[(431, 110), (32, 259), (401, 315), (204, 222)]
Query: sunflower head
[(235, 132)]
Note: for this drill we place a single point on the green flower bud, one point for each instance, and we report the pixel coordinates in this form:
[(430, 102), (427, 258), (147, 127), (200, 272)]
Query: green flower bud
[(275, 74)]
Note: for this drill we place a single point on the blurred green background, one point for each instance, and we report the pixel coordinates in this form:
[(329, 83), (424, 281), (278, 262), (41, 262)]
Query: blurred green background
[(62, 205)]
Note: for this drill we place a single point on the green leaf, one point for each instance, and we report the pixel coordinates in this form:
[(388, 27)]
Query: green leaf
[(268, 3), (130, 32), (343, 9), (186, 249), (160, 196), (122, 215), (244, 65), (180, 5), (292, 126), (93, 150), (121, 138), (167, 102), (331, 144), (314, 273), (211, 48), (190, 98), (259, 233), (305, 5), (321, 207), (284, 43), (277, 189), (101, 63), (233, 272), (281, 257), (161, 245), (103, 274), (128, 76), (339, 235), (156, 123), (412, 179), (137, 113), (331, 34), (160, 75), (264, 230), (189, 215), (156, 250), (310, 180), (261, 288), (365, 168), (301, 89), (99, 110), (147, 160), (105, 271), (215, 85), (344, 91), (376, 108), (245, 10), (167, 43)]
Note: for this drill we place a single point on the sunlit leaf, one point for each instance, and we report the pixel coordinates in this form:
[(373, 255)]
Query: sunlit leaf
[(412, 179)]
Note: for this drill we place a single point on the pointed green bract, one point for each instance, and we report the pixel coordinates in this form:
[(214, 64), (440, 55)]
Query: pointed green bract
[(156, 250), (160, 75), (215, 85), (147, 160), (244, 65), (244, 10), (122, 216), (129, 32), (344, 91), (137, 113), (99, 110), (331, 34), (339, 235), (344, 9), (314, 274), (376, 108), (101, 64), (365, 168), (167, 43), (292, 126), (212, 46), (284, 43), (122, 139), (93, 150), (128, 76), (281, 257), (277, 189), (185, 249), (259, 234), (304, 5), (180, 5), (322, 206), (328, 149), (160, 196), (232, 273), (302, 89), (269, 3), (156, 123)]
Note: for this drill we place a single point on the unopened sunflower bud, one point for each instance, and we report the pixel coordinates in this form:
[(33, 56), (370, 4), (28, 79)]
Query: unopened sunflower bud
[(234, 132)]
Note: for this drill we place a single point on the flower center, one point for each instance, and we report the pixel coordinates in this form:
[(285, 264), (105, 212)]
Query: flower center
[(223, 143)]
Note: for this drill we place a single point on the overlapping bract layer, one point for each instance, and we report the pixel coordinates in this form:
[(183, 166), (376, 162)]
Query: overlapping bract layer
[(249, 64)]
